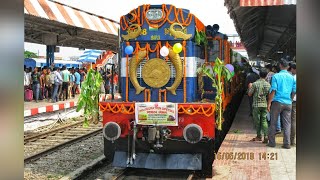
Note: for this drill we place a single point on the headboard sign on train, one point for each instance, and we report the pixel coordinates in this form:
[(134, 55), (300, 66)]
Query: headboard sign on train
[(156, 113)]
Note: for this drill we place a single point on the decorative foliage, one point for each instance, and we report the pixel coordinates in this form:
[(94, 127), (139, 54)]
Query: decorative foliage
[(216, 73), (89, 97), (201, 38)]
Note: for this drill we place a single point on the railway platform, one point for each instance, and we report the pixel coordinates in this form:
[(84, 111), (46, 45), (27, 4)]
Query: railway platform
[(44, 106), (239, 158), (32, 108)]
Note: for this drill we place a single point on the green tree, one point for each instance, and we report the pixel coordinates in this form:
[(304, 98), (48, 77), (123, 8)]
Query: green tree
[(29, 54)]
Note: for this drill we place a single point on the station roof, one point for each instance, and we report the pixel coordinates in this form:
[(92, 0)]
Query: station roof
[(71, 26), (264, 26)]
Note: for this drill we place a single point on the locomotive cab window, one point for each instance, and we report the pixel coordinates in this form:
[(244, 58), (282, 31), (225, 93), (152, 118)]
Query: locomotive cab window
[(213, 50)]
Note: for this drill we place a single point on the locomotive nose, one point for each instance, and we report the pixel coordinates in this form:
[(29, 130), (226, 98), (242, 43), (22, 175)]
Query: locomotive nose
[(192, 133), (111, 131)]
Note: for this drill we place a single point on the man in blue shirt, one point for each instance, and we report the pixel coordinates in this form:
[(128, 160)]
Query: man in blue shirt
[(77, 80), (282, 91)]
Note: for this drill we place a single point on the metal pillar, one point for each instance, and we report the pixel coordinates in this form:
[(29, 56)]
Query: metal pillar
[(50, 54)]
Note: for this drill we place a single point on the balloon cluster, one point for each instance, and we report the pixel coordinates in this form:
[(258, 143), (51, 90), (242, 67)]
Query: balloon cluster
[(164, 51), (230, 68), (177, 48)]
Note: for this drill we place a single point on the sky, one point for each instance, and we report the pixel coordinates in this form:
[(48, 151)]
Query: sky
[(208, 11)]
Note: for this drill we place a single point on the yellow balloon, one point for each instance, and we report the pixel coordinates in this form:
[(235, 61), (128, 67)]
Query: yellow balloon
[(177, 48)]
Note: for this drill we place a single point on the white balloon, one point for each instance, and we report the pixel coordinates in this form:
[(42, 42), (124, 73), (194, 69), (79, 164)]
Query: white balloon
[(164, 51)]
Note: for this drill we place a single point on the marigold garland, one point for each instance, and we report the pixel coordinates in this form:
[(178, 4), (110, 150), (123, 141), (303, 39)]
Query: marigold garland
[(125, 109)]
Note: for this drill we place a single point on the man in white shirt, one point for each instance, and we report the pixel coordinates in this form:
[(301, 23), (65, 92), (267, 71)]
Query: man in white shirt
[(29, 74), (57, 82), (293, 111), (26, 78)]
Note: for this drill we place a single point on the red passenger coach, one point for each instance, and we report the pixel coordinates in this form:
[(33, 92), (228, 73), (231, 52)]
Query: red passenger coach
[(162, 120)]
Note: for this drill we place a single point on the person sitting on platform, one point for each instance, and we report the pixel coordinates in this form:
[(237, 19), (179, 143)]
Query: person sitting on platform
[(283, 89), (260, 90)]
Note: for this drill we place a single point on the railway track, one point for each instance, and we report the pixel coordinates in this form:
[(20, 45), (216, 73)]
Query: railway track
[(38, 145), (132, 174), (104, 170)]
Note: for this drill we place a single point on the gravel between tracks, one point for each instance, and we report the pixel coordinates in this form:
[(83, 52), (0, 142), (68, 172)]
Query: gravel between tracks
[(66, 160)]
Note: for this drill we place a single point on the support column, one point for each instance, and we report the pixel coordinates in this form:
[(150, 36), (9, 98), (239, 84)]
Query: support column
[(50, 40), (50, 54)]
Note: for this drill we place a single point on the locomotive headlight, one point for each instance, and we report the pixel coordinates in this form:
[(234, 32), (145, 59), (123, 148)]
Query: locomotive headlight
[(154, 14), (192, 133), (111, 131)]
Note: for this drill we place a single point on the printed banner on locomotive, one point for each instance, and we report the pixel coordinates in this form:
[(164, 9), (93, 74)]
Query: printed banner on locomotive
[(156, 113)]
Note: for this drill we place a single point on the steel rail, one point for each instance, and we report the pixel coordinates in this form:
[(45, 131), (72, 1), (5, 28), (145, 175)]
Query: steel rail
[(55, 148), (50, 132)]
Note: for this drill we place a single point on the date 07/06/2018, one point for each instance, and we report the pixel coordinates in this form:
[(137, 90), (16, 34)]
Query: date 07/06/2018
[(245, 156)]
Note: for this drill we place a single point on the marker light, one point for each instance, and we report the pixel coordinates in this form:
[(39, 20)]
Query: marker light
[(154, 14)]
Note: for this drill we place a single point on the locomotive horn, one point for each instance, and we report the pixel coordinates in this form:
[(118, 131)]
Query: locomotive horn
[(192, 133), (111, 131)]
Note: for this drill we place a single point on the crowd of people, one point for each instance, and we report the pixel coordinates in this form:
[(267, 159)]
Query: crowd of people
[(272, 101), (59, 84), (52, 83), (108, 81)]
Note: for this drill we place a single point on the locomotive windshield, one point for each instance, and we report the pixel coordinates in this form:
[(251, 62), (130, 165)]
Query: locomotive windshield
[(213, 50)]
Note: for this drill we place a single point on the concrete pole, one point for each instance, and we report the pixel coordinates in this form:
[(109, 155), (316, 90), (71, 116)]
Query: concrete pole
[(50, 54)]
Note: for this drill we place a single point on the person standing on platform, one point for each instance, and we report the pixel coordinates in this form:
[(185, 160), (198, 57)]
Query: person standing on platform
[(60, 92), (48, 85), (57, 82), (83, 76), (72, 83), (282, 91), (115, 82), (251, 78), (268, 78), (259, 90), (77, 81), (66, 81), (293, 111), (43, 83), (35, 76), (26, 79)]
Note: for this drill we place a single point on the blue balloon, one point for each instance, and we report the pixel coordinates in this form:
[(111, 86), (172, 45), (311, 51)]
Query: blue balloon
[(128, 50)]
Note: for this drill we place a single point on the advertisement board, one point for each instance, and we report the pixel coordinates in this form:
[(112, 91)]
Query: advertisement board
[(156, 113)]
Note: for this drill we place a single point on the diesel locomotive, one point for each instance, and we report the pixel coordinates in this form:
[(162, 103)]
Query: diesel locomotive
[(161, 120)]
